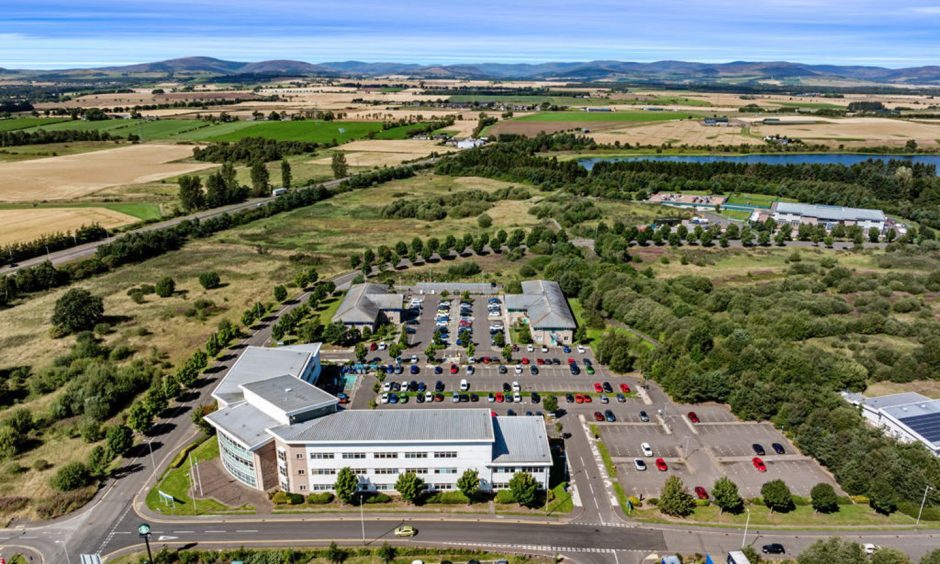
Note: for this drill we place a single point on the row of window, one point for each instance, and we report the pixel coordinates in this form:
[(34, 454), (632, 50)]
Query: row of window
[(361, 471), (513, 470), (377, 455)]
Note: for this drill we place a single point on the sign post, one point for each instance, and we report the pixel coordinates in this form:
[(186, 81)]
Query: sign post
[(144, 531)]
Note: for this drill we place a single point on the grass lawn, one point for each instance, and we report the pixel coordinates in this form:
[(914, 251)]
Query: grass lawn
[(327, 309), (176, 482), (802, 517), (739, 215), (306, 130), (141, 210), (27, 122), (762, 200), (594, 334), (399, 132), (605, 116)]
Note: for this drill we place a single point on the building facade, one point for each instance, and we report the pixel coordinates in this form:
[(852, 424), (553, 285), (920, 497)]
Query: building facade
[(543, 307), (369, 305), (829, 216)]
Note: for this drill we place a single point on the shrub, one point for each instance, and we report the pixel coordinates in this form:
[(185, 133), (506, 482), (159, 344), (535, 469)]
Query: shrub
[(505, 497), (449, 498), (378, 497), (320, 498), (77, 310), (280, 498), (484, 221), (824, 498), (165, 287), (72, 476), (59, 504), (209, 280), (464, 269), (41, 464), (295, 499), (9, 504)]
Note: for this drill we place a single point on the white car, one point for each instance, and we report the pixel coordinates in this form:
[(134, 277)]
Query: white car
[(464, 385), (530, 348), (382, 346), (647, 449), (517, 398), (428, 397), (544, 349), (516, 387), (414, 359), (518, 369), (384, 398), (405, 384), (491, 398), (387, 387), (639, 464), (870, 548), (455, 397), (580, 349)]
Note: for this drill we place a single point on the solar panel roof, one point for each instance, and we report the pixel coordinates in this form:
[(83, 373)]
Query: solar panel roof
[(927, 426)]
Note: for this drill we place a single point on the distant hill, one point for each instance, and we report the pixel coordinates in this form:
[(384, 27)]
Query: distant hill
[(663, 71)]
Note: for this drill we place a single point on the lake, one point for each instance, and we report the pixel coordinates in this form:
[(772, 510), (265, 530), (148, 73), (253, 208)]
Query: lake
[(846, 159)]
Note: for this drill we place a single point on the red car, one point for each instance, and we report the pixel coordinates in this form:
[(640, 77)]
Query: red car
[(661, 465), (598, 416), (499, 397), (525, 360), (454, 369), (570, 360), (587, 399), (759, 464), (700, 492), (625, 388), (579, 398), (373, 347), (485, 360), (540, 361), (598, 388), (693, 417)]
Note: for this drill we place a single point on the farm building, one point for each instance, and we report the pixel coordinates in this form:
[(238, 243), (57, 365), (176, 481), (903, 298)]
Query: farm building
[(543, 306), (908, 417), (368, 305), (279, 431), (471, 143), (815, 214)]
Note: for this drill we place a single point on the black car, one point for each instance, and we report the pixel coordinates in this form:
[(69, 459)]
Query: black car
[(510, 412), (534, 370), (422, 387), (586, 361), (556, 362), (758, 449), (419, 398), (534, 397), (773, 548), (502, 369), (439, 386), (644, 417), (569, 398), (507, 387), (609, 416), (464, 398), (474, 398), (529, 413), (412, 386), (778, 448), (396, 387), (574, 369), (607, 388)]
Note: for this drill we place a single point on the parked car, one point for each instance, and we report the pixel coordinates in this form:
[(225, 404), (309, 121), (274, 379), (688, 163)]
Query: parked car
[(373, 347), (574, 369), (343, 398), (534, 397), (455, 397), (428, 397), (644, 417), (647, 449), (758, 449), (639, 464), (773, 548), (517, 397), (604, 399), (490, 397), (499, 397), (598, 388), (598, 416), (525, 360), (661, 465), (502, 369), (384, 398), (518, 369), (759, 464), (700, 492), (438, 370), (778, 448), (439, 386), (580, 349), (470, 369), (625, 388), (566, 349), (454, 369), (414, 369), (516, 387), (414, 359), (510, 412), (589, 369), (464, 385), (609, 416), (569, 397), (621, 398), (534, 370), (693, 417), (540, 361), (607, 388)]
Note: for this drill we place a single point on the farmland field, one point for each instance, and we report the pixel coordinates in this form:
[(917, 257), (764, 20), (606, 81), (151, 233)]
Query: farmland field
[(75, 176), (375, 152), (605, 116), (528, 99), (312, 131), (23, 123), (20, 225)]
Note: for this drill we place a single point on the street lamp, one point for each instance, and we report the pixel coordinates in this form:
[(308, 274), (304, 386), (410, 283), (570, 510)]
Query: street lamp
[(922, 502), (746, 523), (362, 516), (144, 531)]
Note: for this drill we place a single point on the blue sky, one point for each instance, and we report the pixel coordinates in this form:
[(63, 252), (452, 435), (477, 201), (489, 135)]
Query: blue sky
[(77, 33)]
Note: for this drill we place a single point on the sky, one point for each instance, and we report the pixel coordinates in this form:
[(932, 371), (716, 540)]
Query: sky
[(45, 34)]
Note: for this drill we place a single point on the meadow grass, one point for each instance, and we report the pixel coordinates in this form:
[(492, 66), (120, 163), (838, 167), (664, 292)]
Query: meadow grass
[(27, 122)]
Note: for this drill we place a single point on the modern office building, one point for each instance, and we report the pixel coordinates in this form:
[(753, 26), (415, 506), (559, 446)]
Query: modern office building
[(542, 305), (369, 305), (908, 417), (276, 429)]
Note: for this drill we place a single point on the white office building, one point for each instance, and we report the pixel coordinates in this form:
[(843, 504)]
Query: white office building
[(276, 429)]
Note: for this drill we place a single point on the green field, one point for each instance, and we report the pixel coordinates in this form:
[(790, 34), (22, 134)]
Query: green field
[(811, 105), (763, 200), (527, 99), (665, 101), (24, 123), (311, 131), (606, 116), (145, 211)]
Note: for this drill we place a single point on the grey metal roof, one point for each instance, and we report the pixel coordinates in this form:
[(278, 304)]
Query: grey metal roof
[(456, 287), (520, 440), (833, 213), (363, 302), (544, 304), (245, 423), (882, 402), (260, 363), (406, 425), (290, 394)]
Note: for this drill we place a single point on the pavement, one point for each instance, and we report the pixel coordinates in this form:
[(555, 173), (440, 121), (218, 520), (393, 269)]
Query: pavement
[(596, 531)]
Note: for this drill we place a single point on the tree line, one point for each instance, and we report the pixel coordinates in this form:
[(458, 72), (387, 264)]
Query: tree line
[(51, 242), (42, 137), (252, 149)]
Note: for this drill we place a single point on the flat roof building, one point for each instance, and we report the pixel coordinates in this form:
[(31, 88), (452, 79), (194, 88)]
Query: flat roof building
[(277, 430), (908, 417), (543, 306), (830, 216), (369, 305)]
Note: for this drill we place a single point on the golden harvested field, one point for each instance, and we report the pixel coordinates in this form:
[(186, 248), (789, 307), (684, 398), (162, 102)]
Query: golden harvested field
[(74, 176), (688, 132), (857, 131), (377, 152), (29, 224)]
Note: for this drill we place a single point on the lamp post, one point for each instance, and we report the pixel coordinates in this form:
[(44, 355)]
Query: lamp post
[(922, 502), (746, 523), (144, 531), (362, 516)]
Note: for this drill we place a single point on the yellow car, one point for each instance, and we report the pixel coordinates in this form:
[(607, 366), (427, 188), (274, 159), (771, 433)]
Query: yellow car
[(405, 531)]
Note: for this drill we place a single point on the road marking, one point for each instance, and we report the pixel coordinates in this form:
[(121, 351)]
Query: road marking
[(184, 532), (209, 532), (247, 531)]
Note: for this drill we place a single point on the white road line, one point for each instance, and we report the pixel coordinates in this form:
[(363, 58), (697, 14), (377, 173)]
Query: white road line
[(247, 531)]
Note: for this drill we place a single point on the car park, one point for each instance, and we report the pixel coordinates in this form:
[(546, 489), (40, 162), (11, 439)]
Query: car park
[(773, 548), (534, 370), (661, 465), (439, 386), (700, 492), (647, 449), (778, 448), (644, 417), (598, 416), (453, 369), (569, 397), (759, 464), (639, 464), (758, 449), (609, 416), (693, 417), (502, 369)]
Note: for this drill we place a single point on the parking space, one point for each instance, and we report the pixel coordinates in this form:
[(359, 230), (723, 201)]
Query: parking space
[(649, 483), (737, 439), (709, 413), (623, 440)]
